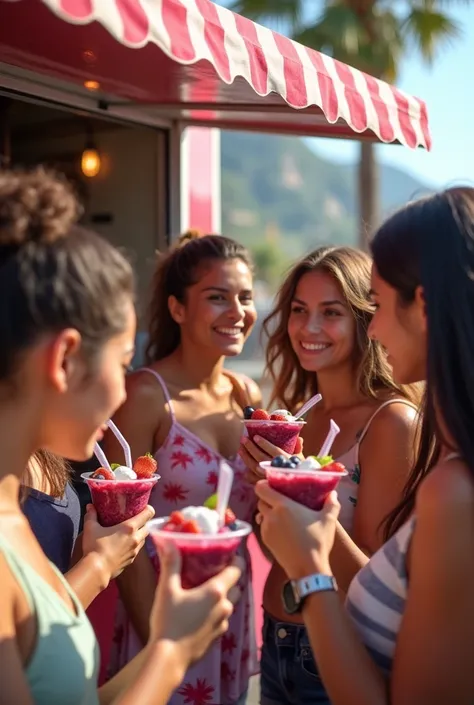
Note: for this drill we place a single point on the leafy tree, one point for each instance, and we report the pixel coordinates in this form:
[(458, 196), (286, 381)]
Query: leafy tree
[(371, 35)]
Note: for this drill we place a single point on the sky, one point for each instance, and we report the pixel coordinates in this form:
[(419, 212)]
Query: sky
[(449, 96)]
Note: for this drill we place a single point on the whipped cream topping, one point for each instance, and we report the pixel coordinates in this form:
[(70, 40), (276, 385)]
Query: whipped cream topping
[(124, 473), (206, 519), (309, 464), (285, 412)]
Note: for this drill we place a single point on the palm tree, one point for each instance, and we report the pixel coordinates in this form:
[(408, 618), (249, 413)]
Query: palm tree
[(371, 35)]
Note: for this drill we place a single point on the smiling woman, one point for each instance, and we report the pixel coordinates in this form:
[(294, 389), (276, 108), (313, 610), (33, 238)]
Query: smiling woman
[(186, 410), (320, 343)]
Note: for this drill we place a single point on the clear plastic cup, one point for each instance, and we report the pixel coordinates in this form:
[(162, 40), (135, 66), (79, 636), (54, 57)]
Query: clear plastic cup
[(202, 555), (308, 487), (118, 500), (283, 434)]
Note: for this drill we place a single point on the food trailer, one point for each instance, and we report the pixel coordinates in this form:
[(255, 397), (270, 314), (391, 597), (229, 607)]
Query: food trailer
[(128, 97)]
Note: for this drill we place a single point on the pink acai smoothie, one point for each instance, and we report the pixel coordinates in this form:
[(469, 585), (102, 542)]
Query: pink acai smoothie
[(307, 487), (203, 555), (282, 434), (118, 500)]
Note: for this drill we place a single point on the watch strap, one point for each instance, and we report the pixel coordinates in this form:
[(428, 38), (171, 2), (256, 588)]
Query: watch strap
[(317, 582)]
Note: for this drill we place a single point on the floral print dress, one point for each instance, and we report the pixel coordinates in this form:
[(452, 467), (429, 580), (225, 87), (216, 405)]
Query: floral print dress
[(189, 472)]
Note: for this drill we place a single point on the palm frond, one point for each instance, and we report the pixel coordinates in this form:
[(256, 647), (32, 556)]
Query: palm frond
[(429, 30), (277, 14)]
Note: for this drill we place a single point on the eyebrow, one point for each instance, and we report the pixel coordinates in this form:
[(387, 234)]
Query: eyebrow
[(223, 290), (323, 303)]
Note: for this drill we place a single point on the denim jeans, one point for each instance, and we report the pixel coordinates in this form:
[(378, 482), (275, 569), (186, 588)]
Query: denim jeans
[(288, 673)]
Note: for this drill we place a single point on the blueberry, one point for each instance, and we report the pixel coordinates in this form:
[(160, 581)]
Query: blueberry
[(295, 459), (293, 465), (278, 462), (248, 411), (233, 526)]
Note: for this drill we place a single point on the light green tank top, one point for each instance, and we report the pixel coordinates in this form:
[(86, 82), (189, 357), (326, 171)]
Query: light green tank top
[(64, 664)]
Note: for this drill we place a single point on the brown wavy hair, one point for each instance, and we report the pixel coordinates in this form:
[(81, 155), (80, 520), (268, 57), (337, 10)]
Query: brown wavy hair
[(54, 469), (292, 385), (176, 270)]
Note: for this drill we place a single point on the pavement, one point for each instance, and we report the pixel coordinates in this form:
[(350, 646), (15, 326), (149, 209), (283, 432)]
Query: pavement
[(253, 696)]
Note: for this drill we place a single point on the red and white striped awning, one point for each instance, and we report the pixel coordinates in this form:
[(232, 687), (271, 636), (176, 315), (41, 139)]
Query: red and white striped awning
[(194, 60)]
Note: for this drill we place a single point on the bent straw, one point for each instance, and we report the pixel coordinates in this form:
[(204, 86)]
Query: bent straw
[(327, 445), (123, 443), (100, 455), (309, 405)]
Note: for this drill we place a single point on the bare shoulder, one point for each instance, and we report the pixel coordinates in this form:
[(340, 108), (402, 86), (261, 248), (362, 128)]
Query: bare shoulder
[(251, 387), (395, 418), (143, 387), (447, 492)]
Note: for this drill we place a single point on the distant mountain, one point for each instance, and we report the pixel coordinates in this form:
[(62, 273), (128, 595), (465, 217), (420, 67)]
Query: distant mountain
[(276, 189)]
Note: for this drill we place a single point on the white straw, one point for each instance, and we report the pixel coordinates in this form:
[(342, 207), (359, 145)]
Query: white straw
[(123, 443), (100, 455), (309, 405), (224, 487), (327, 445)]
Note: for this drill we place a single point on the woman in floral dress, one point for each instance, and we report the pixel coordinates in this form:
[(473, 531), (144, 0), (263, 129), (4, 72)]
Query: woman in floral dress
[(186, 410), (319, 342)]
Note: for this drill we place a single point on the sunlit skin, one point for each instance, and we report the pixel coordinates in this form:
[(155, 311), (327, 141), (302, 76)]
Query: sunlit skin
[(219, 311), (401, 329), (439, 560), (215, 318), (321, 327)]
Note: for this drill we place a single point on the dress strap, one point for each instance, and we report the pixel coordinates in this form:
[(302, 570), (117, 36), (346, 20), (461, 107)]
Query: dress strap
[(164, 389), (379, 409)]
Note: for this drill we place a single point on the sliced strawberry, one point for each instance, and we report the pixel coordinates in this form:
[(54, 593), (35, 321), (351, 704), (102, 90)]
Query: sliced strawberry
[(176, 518), (229, 516), (260, 415), (190, 527), (334, 467), (145, 466), (103, 474), (278, 417)]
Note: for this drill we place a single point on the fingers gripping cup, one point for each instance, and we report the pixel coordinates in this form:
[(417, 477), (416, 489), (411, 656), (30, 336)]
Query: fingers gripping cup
[(120, 492), (203, 554), (279, 428)]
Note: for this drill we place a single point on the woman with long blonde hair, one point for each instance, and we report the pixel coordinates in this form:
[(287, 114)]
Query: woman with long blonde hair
[(319, 342)]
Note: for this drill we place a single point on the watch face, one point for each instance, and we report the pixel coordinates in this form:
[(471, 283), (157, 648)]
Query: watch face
[(290, 604)]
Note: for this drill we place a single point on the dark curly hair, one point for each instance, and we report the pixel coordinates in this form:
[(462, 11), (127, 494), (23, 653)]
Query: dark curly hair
[(54, 274)]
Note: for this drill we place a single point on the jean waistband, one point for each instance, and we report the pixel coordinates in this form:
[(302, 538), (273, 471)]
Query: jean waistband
[(284, 633)]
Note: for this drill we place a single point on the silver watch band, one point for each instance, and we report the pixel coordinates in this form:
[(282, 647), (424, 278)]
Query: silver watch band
[(311, 584)]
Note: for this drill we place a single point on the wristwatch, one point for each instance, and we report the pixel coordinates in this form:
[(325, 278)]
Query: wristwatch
[(296, 591)]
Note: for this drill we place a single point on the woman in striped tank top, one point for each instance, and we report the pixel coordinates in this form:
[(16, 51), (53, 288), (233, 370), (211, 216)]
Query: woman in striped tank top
[(319, 342), (406, 636)]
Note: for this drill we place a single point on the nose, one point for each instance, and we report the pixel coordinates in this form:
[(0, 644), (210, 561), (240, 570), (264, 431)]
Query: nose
[(313, 323), (237, 309)]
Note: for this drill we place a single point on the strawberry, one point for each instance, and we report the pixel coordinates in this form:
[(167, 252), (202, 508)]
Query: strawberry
[(145, 466), (103, 474), (334, 467), (229, 516), (176, 518), (278, 417), (190, 527), (260, 415)]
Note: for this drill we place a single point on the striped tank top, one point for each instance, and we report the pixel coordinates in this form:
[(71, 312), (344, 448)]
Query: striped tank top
[(377, 595)]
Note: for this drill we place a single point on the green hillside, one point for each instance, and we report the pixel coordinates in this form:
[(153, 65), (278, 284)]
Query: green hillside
[(277, 190)]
